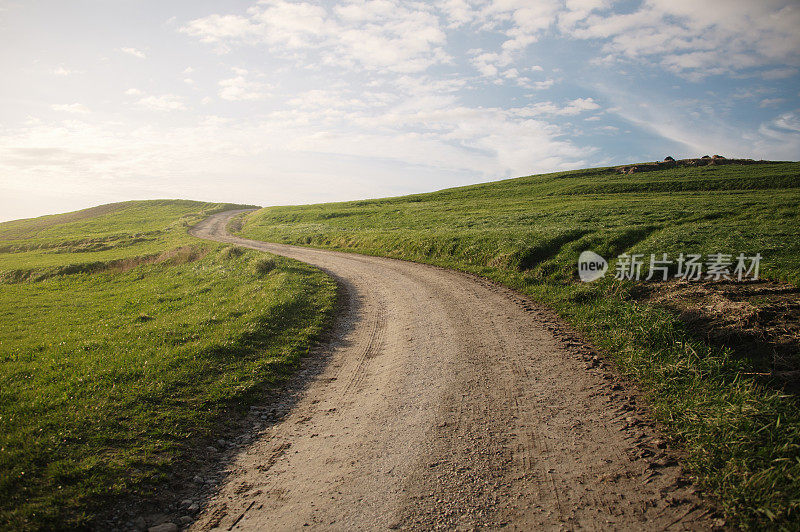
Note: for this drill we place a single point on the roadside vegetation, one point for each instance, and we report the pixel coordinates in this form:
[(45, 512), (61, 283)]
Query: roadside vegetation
[(123, 342), (733, 411)]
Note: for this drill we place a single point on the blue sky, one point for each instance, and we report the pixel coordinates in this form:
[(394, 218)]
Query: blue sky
[(278, 102)]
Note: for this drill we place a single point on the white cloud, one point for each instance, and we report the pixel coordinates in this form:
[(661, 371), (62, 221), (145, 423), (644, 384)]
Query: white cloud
[(700, 130), (389, 35), (572, 108), (318, 98), (383, 130), (75, 108), (134, 52), (62, 71), (725, 36), (374, 35), (787, 122), (240, 88), (133, 92), (164, 102), (780, 137), (771, 102), (542, 85)]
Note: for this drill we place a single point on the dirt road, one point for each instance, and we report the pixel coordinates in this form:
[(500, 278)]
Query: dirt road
[(445, 402)]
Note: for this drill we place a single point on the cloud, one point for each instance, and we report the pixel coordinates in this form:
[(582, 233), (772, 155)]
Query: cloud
[(727, 36), (240, 88), (542, 85), (318, 98), (164, 102), (572, 108), (380, 35), (134, 52), (771, 102), (75, 108), (400, 134), (700, 129), (780, 137), (789, 122), (62, 71), (779, 73), (133, 92)]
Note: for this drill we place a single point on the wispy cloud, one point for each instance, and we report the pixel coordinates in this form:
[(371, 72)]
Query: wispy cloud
[(134, 52), (75, 108), (727, 36), (63, 71), (377, 35), (164, 102), (240, 88), (771, 102)]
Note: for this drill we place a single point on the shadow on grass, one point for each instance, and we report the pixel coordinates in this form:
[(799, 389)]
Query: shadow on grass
[(238, 419), (758, 322)]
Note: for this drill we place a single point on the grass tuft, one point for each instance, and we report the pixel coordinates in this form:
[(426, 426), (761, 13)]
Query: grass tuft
[(263, 265)]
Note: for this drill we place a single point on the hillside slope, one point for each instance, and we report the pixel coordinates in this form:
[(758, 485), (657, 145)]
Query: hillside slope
[(124, 344), (732, 410)]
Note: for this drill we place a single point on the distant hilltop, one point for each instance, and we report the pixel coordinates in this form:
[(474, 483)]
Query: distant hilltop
[(669, 162)]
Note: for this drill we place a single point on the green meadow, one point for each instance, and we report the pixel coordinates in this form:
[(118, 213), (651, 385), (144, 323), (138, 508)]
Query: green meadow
[(124, 342), (739, 432)]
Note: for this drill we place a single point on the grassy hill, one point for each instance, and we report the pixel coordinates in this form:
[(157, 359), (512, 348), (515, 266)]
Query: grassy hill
[(124, 342), (718, 361)]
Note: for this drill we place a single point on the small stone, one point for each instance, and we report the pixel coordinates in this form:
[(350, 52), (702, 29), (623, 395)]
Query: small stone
[(211, 449), (198, 479), (222, 443), (185, 520), (186, 502), (164, 527), (193, 508), (140, 523)]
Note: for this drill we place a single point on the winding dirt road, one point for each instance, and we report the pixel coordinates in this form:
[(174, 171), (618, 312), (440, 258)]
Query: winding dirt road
[(448, 402)]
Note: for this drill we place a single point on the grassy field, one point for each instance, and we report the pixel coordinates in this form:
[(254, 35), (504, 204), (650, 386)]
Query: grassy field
[(740, 431), (123, 341)]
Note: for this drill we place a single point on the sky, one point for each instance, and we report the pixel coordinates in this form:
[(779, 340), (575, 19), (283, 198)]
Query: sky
[(289, 102)]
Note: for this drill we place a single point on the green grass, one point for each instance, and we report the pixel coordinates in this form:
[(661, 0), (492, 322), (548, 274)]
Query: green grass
[(114, 361), (741, 437)]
